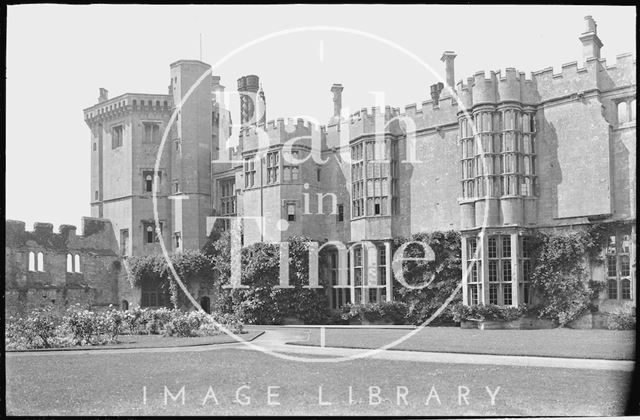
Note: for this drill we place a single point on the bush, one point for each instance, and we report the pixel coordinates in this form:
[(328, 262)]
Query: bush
[(262, 302), (487, 312), (443, 276), (560, 276), (33, 332), (622, 321), (90, 328)]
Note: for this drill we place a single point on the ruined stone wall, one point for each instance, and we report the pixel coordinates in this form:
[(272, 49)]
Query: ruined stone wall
[(96, 282)]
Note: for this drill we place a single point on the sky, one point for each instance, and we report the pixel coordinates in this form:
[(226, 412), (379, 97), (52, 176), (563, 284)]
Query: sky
[(58, 56)]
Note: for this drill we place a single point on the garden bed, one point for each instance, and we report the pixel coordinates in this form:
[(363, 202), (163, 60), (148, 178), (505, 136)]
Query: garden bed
[(157, 341)]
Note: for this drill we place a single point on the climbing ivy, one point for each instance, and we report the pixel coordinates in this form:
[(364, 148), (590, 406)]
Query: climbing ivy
[(560, 274)]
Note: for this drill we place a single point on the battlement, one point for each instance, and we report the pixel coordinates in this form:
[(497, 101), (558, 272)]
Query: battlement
[(126, 103), (545, 84), (96, 232)]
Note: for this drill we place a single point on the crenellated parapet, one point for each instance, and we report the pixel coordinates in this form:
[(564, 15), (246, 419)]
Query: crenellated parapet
[(97, 235), (126, 104), (546, 84)]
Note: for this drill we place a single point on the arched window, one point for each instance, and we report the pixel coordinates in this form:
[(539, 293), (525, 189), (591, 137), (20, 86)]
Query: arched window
[(69, 263), (632, 110), (205, 304), (148, 182), (124, 305), (40, 261), (149, 234), (32, 261), (622, 113), (77, 263)]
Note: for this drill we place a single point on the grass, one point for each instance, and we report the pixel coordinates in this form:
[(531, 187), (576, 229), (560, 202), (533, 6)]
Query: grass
[(561, 342), (155, 341), (99, 383)]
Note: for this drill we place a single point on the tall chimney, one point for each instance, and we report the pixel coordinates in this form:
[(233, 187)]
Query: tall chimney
[(448, 57), (435, 93), (336, 89), (104, 95), (248, 88), (591, 44)]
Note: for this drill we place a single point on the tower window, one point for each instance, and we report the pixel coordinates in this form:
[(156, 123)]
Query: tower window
[(340, 213), (151, 133), (116, 136), (150, 233), (291, 212), (124, 241), (177, 236), (147, 178)]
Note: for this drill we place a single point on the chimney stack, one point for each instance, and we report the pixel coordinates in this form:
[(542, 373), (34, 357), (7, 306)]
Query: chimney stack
[(591, 44), (435, 93), (448, 57), (336, 89), (248, 89), (104, 95)]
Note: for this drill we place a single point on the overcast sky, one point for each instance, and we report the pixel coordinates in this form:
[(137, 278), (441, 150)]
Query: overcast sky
[(58, 56)]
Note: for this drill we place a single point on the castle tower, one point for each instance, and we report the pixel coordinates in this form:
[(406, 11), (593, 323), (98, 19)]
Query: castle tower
[(191, 161), (126, 132)]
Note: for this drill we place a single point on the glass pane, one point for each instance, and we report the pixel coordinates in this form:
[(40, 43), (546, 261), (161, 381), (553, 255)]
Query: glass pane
[(624, 266)]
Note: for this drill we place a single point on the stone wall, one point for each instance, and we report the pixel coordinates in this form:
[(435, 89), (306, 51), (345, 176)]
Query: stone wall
[(95, 278)]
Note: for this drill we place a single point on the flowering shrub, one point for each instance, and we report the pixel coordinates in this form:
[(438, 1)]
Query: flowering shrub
[(487, 313), (88, 327), (43, 329), (35, 331)]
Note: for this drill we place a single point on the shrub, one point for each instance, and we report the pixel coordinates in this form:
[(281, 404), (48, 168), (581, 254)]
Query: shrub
[(262, 302), (35, 331), (90, 328), (487, 312), (441, 276), (560, 276), (622, 321)]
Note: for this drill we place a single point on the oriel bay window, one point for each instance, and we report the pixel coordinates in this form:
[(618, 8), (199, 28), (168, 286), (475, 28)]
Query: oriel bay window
[(524, 283), (370, 177), (500, 159), (357, 181)]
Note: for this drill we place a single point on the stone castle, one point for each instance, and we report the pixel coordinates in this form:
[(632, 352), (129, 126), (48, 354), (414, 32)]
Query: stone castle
[(512, 154)]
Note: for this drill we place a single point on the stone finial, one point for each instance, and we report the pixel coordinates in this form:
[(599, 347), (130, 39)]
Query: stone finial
[(336, 89)]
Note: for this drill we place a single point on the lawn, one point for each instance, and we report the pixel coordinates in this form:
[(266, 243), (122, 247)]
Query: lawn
[(559, 342), (103, 383), (154, 341)]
